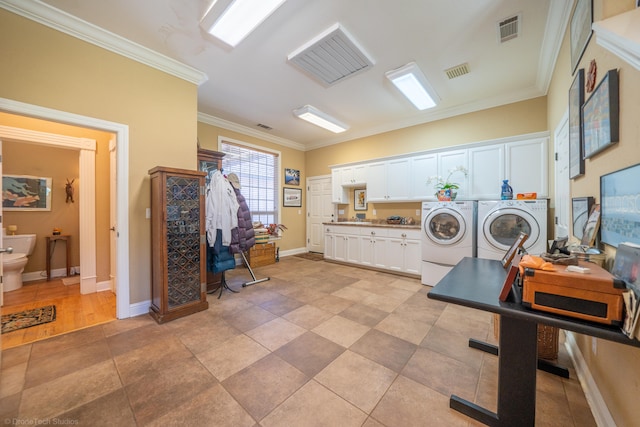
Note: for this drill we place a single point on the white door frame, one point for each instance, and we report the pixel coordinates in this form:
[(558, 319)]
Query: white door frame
[(122, 189), (562, 184)]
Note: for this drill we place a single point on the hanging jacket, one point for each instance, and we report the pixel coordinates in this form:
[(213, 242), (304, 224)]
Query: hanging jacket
[(221, 209), (242, 237)]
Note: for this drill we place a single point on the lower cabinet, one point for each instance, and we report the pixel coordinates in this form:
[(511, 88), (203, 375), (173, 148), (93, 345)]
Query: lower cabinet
[(393, 249)]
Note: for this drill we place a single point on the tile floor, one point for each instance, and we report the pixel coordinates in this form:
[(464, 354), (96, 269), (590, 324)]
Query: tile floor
[(319, 344)]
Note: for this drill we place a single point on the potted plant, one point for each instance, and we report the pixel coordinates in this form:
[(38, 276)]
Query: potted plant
[(446, 189)]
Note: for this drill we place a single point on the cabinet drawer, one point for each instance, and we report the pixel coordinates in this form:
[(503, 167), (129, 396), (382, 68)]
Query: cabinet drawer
[(262, 254), (399, 233)]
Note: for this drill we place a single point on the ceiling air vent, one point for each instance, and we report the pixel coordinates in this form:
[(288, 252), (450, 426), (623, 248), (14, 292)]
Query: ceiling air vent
[(265, 127), (331, 56), (509, 28), (457, 71)]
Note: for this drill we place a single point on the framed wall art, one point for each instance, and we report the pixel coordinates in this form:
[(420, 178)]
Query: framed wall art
[(576, 99), (360, 200), (600, 116), (513, 250), (580, 29), (292, 197), (26, 193), (591, 227), (291, 177), (619, 193), (580, 208)]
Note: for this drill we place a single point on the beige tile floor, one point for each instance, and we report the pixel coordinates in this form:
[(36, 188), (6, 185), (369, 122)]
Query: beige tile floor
[(319, 344)]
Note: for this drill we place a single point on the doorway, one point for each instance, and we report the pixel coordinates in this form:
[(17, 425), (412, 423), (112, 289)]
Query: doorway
[(320, 210), (121, 225)]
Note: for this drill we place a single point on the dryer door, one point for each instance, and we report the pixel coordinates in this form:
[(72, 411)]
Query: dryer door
[(444, 226), (502, 226)]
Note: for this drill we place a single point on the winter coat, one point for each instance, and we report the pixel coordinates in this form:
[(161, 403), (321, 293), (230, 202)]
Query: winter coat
[(221, 209), (242, 237)]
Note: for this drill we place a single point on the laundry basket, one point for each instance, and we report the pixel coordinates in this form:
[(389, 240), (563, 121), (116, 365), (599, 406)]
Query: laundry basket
[(548, 337)]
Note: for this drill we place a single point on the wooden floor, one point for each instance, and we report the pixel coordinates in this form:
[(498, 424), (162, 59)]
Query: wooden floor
[(73, 310)]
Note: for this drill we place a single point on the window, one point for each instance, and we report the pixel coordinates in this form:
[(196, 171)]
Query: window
[(257, 171)]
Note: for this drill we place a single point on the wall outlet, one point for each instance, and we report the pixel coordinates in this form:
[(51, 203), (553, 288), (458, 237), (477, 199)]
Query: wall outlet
[(418, 212), (147, 213), (594, 346), (340, 211), (299, 211), (374, 212)]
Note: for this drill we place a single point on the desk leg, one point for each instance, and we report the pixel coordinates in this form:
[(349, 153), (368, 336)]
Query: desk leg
[(517, 358), (518, 361)]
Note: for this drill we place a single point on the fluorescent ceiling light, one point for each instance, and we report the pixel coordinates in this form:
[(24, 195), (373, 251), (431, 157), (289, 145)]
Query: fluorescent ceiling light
[(318, 118), (232, 21), (413, 84)]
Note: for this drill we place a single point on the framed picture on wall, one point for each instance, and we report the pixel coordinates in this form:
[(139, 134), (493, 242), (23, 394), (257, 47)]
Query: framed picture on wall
[(619, 214), (291, 197), (291, 176), (580, 30), (576, 99), (360, 200), (26, 193), (580, 209), (600, 116)]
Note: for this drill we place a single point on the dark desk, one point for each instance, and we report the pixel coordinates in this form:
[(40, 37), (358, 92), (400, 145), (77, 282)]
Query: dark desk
[(54, 239), (476, 283)]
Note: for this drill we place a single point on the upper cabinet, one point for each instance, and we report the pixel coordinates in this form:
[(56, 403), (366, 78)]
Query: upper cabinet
[(388, 181), (526, 166), (523, 162)]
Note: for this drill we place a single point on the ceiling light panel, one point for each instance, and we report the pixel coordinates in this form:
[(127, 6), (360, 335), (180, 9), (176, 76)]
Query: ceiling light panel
[(410, 80), (232, 21), (331, 56), (320, 118)]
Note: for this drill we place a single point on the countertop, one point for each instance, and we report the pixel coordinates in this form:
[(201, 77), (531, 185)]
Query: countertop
[(374, 223)]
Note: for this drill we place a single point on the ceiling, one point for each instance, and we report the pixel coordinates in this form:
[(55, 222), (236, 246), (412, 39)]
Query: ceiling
[(255, 84)]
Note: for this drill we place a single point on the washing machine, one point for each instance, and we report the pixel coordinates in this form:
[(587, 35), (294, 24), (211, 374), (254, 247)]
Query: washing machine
[(501, 221), (448, 235)]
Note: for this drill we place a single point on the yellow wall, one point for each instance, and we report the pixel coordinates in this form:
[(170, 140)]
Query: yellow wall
[(32, 160), (44, 67), (293, 218), (615, 367)]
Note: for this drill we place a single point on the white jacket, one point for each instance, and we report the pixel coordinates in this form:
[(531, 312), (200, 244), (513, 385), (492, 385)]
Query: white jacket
[(221, 209)]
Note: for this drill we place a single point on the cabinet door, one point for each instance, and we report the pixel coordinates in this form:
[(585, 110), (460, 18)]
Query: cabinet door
[(353, 248), (366, 250), (376, 182), (329, 246), (353, 175), (397, 177), (422, 168), (340, 248), (395, 254), (486, 171), (380, 251), (338, 192), (527, 166), (412, 257), (449, 161)]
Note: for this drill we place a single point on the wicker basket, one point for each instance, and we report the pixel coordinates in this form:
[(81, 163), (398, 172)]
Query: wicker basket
[(548, 337)]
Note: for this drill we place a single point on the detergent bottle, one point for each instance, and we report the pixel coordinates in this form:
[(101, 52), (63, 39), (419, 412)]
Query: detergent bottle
[(507, 191)]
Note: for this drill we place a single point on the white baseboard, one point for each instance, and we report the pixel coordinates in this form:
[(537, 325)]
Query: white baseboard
[(291, 252), (597, 404), (139, 308)]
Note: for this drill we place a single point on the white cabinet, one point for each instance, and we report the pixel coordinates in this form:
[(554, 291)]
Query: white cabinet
[(448, 161), (345, 243), (339, 194), (373, 247), (354, 175), (422, 168), (403, 251), (527, 166), (388, 181), (486, 171), (329, 244)]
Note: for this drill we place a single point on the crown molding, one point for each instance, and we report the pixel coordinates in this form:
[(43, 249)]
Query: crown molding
[(225, 124), (556, 26), (620, 35), (61, 21)]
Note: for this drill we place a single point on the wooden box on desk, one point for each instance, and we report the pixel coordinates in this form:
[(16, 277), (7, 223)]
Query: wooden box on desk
[(262, 254), (595, 296)]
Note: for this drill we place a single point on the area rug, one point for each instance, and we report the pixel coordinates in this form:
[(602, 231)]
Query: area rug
[(312, 256), (28, 318), (72, 280)]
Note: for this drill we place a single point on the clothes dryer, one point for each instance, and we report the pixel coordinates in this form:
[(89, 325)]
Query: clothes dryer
[(448, 235), (501, 221)]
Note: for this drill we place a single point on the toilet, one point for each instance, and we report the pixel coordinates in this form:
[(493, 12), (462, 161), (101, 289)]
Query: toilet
[(13, 264)]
